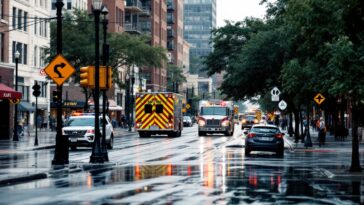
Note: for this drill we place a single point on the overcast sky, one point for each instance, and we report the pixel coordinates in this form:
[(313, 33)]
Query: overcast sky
[(237, 10)]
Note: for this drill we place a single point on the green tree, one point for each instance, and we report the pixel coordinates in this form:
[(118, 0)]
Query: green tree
[(175, 75), (125, 50)]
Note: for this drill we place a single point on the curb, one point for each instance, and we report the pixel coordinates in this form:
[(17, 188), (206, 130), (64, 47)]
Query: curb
[(44, 147), (22, 179)]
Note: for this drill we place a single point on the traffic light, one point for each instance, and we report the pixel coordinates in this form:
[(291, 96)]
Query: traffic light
[(105, 77), (56, 96), (109, 77), (87, 76), (36, 89)]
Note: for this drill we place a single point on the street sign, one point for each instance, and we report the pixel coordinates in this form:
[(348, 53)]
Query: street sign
[(59, 70), (282, 105), (275, 98), (275, 91), (42, 72), (188, 106), (319, 98)]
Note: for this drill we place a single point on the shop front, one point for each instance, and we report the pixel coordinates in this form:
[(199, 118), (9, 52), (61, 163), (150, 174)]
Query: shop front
[(8, 97), (68, 108)]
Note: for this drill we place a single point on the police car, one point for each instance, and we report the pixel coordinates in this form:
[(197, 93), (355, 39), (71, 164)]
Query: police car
[(80, 131)]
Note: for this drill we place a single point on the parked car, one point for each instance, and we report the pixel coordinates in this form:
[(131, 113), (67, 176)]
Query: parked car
[(264, 137), (81, 131), (187, 121), (248, 121)]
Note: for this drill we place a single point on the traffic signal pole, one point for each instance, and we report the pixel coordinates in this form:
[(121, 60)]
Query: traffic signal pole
[(61, 150)]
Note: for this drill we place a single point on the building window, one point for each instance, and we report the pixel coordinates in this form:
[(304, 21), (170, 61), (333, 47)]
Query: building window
[(35, 25), (20, 13), (23, 50), (2, 9), (25, 21), (25, 54), (35, 59), (69, 4), (14, 17), (2, 36)]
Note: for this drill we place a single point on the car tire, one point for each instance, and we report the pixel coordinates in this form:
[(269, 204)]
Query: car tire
[(73, 147), (143, 134), (247, 152), (200, 134), (110, 145), (280, 153)]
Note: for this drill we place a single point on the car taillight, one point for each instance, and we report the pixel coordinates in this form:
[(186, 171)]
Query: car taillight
[(279, 136), (90, 131), (139, 124), (251, 135)]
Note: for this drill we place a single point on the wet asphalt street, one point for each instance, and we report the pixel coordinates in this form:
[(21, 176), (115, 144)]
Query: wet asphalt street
[(185, 170)]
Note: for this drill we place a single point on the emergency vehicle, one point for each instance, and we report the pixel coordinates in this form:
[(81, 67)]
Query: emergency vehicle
[(216, 116), (158, 113)]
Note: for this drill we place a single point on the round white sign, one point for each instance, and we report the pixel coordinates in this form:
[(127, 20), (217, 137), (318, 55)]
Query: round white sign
[(282, 105)]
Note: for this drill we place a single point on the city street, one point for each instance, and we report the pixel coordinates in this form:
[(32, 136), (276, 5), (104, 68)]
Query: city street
[(183, 170)]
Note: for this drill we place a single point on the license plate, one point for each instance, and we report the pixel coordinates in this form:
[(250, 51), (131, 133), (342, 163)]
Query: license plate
[(73, 140), (265, 139), (154, 127), (212, 129)]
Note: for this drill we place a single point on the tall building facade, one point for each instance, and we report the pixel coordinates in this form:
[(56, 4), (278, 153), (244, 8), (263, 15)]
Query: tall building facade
[(149, 17), (199, 19), (29, 34), (70, 5), (175, 32)]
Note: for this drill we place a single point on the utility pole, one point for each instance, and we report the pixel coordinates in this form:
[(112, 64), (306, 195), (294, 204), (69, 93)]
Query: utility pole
[(61, 150), (105, 56), (96, 155)]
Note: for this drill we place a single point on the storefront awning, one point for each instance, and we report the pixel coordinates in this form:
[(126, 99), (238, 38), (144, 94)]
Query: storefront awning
[(25, 107), (8, 93)]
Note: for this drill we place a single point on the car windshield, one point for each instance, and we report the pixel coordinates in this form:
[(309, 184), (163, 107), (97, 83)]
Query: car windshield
[(250, 118), (214, 111), (264, 130), (186, 118)]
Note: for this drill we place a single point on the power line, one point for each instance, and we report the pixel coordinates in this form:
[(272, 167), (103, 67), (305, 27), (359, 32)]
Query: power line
[(18, 28)]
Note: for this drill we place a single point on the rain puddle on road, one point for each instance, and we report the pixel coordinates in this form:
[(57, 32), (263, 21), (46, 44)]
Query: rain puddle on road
[(232, 182)]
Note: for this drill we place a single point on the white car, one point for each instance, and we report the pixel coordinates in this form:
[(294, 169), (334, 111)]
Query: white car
[(81, 131)]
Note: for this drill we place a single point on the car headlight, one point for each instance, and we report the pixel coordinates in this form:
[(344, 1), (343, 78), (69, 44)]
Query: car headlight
[(201, 123), (225, 123)]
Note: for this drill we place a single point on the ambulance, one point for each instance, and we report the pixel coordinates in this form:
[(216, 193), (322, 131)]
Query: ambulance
[(158, 113), (216, 116)]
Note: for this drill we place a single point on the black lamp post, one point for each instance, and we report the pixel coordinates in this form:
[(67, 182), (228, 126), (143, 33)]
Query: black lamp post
[(16, 137), (127, 99), (96, 155), (105, 56), (132, 100)]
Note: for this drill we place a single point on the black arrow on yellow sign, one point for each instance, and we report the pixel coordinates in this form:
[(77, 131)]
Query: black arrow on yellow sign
[(319, 98)]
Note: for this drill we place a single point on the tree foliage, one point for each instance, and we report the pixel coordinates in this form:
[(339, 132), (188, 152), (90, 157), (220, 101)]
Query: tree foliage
[(125, 50)]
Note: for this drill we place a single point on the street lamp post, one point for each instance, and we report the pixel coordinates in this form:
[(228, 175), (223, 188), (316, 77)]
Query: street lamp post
[(16, 137), (105, 56), (127, 99), (132, 100), (96, 155)]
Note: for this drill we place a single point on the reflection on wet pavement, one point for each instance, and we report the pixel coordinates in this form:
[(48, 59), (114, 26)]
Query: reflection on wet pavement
[(176, 171)]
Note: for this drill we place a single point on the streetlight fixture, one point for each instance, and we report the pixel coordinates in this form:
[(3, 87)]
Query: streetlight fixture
[(105, 56), (96, 155), (16, 137)]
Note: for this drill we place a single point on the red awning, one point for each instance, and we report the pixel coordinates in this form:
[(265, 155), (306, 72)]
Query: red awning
[(8, 93)]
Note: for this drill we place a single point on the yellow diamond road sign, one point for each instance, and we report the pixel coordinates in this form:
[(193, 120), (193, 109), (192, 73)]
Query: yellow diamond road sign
[(319, 98), (59, 69), (188, 106)]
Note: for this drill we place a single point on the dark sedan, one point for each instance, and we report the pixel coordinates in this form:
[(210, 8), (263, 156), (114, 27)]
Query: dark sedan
[(263, 137)]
